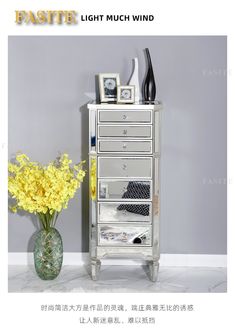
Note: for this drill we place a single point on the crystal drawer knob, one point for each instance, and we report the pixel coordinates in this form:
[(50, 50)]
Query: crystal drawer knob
[(124, 166), (124, 146), (124, 116), (125, 132)]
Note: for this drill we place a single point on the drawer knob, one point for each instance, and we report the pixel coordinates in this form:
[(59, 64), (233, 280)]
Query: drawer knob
[(124, 146), (125, 132), (124, 189), (124, 116), (124, 166)]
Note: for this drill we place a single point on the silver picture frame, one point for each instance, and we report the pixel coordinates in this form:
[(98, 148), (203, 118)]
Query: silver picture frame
[(108, 83), (126, 94)]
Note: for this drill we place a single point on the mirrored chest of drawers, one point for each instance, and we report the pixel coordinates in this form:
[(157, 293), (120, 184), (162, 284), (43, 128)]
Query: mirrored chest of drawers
[(124, 160)]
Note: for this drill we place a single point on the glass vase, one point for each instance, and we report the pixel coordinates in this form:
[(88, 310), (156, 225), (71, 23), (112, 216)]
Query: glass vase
[(48, 253)]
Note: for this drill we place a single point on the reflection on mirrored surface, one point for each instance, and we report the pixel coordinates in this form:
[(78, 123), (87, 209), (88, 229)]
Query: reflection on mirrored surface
[(124, 235), (125, 167), (123, 189), (93, 130), (127, 146), (124, 212), (125, 131)]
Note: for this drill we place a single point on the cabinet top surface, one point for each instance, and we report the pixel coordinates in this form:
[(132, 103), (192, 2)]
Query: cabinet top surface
[(141, 105)]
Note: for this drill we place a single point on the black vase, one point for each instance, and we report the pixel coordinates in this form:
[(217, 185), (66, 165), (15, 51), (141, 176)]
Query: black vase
[(149, 87)]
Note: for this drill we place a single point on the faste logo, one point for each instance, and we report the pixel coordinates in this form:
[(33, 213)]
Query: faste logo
[(46, 17)]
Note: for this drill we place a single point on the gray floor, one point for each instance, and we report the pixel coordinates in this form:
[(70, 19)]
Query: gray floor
[(120, 279)]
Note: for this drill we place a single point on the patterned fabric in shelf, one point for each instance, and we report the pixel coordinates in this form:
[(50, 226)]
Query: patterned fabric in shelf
[(136, 190)]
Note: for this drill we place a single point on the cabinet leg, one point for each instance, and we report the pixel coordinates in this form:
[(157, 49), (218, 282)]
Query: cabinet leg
[(95, 268), (153, 270)]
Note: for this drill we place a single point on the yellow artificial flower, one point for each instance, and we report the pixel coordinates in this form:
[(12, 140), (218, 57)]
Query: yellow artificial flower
[(43, 189)]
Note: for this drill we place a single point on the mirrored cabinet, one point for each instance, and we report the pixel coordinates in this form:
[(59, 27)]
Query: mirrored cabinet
[(124, 166)]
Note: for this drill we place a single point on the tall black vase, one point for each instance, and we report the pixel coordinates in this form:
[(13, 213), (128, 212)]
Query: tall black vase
[(149, 86)]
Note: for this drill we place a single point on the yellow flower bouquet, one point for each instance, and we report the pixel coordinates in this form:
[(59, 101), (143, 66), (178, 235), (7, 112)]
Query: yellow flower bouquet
[(44, 191)]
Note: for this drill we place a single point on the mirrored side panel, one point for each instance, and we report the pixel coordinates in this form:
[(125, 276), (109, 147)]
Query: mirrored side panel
[(157, 131), (92, 206), (93, 229), (156, 209), (92, 130)]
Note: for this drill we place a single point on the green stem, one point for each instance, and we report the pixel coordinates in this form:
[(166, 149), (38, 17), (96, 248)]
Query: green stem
[(52, 218), (41, 219), (47, 220), (56, 217)]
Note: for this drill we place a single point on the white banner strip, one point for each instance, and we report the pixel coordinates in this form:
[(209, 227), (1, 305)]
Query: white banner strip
[(166, 260)]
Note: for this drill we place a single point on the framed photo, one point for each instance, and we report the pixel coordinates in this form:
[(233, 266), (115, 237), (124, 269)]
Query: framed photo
[(126, 94), (108, 83)]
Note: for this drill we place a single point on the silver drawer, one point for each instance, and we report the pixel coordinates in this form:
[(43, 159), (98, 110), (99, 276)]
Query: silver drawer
[(137, 116), (124, 235), (125, 146), (125, 131), (124, 190), (124, 212), (125, 167)]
